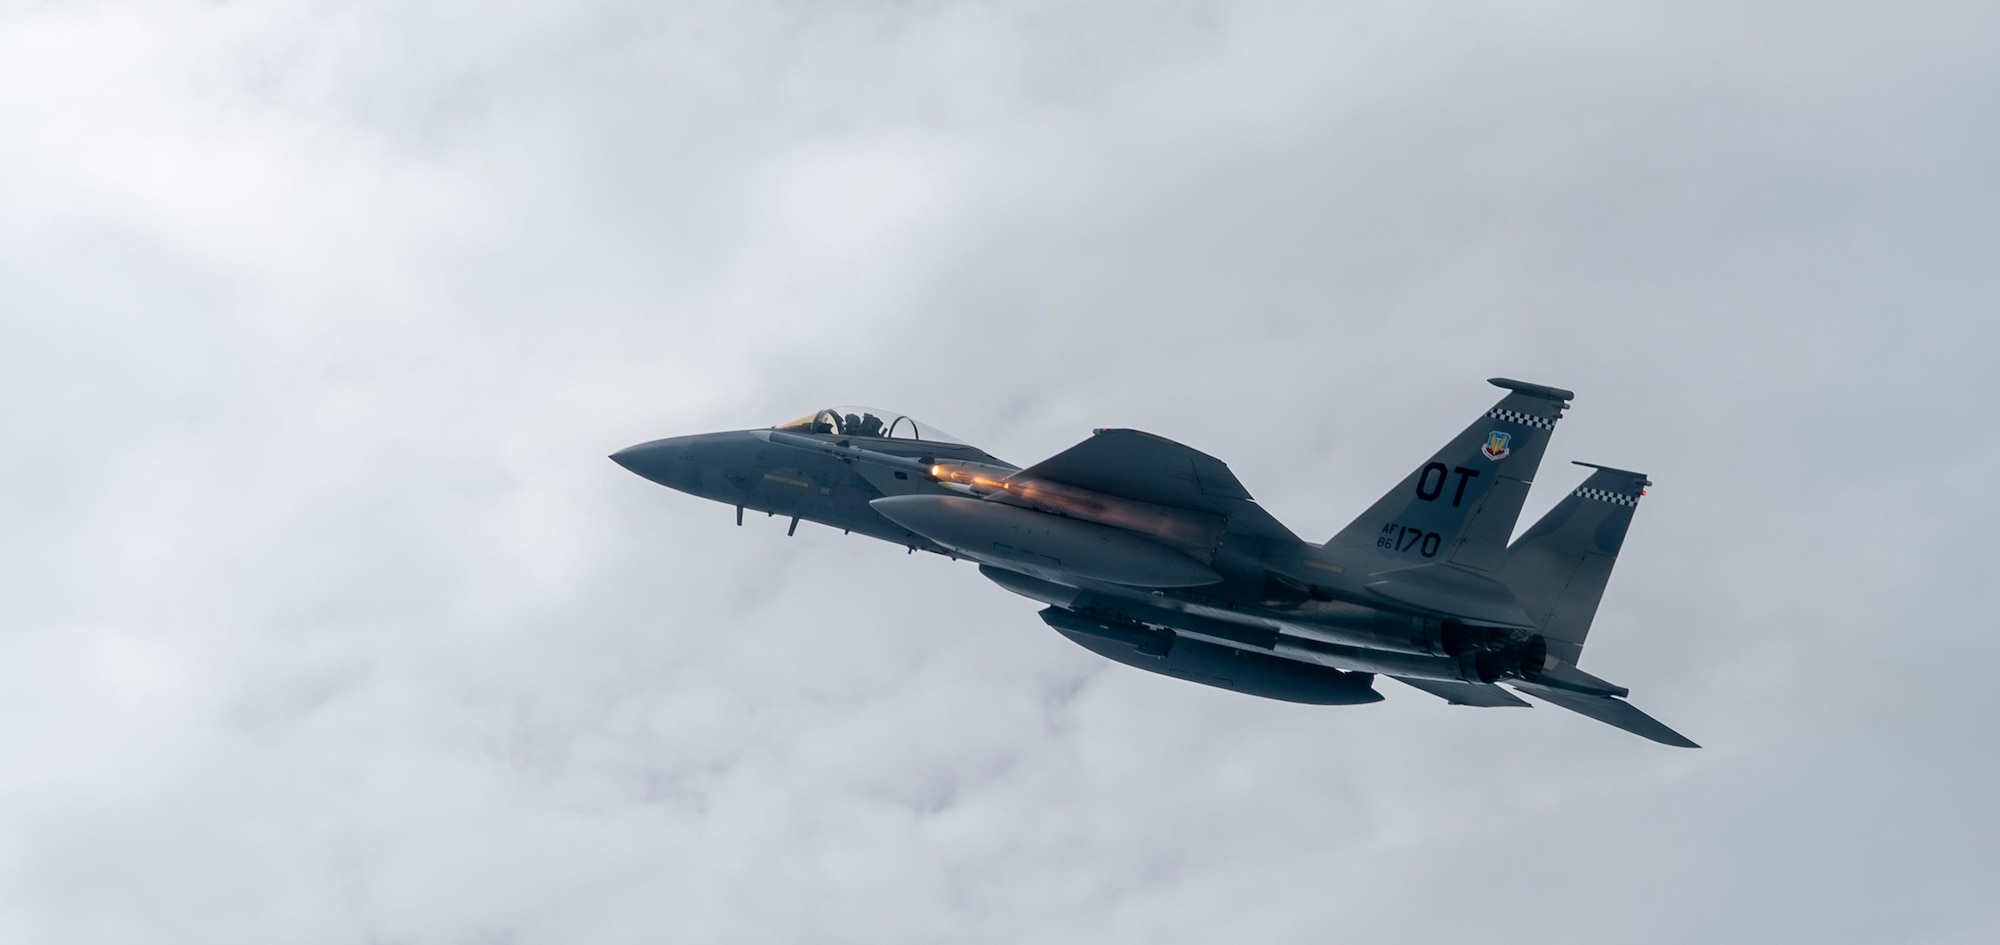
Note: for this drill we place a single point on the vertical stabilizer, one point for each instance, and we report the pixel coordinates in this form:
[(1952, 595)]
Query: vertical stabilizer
[(1558, 569), (1460, 506)]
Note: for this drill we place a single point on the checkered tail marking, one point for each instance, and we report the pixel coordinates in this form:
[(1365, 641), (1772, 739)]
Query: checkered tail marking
[(1602, 495), (1515, 416)]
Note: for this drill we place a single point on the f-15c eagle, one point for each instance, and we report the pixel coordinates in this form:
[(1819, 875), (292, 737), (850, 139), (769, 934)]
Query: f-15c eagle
[(1152, 554)]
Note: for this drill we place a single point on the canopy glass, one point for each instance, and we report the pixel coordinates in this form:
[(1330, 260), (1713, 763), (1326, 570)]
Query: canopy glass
[(868, 422)]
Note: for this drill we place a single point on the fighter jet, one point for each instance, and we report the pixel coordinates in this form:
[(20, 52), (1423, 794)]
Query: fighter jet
[(1152, 554)]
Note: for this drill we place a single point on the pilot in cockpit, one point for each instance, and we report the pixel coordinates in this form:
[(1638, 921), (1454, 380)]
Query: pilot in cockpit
[(861, 422)]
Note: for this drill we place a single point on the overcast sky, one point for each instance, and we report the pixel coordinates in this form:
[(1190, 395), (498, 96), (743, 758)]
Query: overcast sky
[(323, 617)]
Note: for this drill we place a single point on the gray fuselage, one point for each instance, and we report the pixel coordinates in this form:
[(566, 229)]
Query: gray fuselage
[(1251, 631)]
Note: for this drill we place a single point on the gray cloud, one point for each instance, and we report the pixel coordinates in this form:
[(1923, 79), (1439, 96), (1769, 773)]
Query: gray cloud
[(327, 620)]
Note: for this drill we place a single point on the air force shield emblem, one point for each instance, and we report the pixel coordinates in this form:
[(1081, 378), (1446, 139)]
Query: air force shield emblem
[(1496, 445)]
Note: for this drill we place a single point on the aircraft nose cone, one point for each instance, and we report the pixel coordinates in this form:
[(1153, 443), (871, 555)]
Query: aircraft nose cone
[(691, 463), (631, 457), (658, 460)]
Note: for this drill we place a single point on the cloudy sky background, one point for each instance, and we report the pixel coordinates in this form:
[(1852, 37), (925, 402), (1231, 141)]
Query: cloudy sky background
[(326, 620)]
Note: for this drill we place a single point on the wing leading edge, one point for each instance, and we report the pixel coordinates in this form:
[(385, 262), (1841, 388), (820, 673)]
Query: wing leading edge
[(1132, 464)]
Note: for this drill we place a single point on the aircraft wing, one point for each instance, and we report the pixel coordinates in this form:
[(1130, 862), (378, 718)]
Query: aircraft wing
[(1135, 465), (1486, 695)]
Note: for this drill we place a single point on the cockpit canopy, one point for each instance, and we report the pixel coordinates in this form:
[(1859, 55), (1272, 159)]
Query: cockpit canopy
[(868, 421)]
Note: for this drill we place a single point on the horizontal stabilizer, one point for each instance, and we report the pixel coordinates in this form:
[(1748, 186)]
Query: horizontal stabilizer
[(1614, 712), (1485, 695), (1564, 676)]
